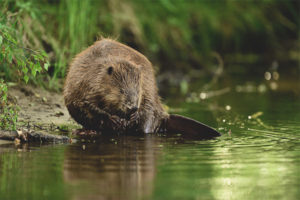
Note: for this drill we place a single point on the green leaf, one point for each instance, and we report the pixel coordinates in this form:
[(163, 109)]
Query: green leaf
[(46, 65), (4, 97), (23, 64), (24, 70), (1, 39), (26, 78), (31, 65), (19, 63), (44, 54), (38, 66), (9, 57), (5, 88), (33, 72), (40, 57), (36, 58)]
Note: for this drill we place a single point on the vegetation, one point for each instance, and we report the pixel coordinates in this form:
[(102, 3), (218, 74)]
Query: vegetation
[(176, 35), (8, 111), (17, 59)]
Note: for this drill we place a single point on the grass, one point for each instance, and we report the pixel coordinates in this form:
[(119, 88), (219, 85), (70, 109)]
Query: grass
[(174, 34)]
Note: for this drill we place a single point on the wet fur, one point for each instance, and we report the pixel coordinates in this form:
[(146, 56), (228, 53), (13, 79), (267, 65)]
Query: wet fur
[(95, 98)]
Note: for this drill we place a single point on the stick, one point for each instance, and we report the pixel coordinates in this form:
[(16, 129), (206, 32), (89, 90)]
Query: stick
[(32, 136)]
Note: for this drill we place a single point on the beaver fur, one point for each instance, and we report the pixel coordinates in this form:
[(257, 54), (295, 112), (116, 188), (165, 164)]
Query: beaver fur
[(111, 87)]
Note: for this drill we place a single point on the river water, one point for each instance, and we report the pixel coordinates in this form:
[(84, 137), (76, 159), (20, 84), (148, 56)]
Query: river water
[(257, 157)]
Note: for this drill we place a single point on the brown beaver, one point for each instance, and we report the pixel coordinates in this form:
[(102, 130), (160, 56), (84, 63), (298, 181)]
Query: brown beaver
[(111, 87)]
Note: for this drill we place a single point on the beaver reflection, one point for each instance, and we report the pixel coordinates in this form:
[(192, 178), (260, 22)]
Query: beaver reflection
[(120, 168)]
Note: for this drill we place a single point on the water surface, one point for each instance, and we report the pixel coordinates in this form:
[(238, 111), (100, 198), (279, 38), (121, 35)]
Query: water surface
[(258, 157)]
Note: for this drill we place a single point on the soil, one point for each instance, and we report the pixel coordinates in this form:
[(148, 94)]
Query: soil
[(41, 109)]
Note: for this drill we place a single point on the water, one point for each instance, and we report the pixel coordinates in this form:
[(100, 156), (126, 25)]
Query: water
[(258, 157)]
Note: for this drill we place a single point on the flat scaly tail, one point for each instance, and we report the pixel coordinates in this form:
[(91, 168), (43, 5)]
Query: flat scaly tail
[(189, 128)]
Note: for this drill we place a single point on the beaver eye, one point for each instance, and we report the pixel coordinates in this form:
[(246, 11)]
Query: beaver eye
[(110, 70)]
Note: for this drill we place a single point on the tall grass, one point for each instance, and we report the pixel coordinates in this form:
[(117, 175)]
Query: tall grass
[(174, 34), (77, 27), (182, 34)]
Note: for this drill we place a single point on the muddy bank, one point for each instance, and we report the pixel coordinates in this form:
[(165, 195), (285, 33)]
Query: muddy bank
[(41, 110)]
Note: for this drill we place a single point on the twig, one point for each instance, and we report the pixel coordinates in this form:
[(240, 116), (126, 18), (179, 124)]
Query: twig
[(218, 71), (32, 136)]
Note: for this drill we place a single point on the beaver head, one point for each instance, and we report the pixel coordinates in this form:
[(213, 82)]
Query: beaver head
[(120, 88)]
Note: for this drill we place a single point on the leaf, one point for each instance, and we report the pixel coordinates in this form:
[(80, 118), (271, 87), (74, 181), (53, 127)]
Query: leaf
[(40, 56), (33, 15), (24, 70), (23, 64), (5, 88), (1, 39), (46, 65), (38, 66), (33, 72), (31, 65), (44, 54), (9, 57), (19, 63), (26, 78), (39, 69), (4, 97)]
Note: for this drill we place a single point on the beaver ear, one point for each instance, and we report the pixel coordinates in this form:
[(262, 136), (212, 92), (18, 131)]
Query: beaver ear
[(110, 70)]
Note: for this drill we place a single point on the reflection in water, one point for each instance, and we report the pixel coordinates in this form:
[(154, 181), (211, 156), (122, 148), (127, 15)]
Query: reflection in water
[(259, 159), (256, 158), (32, 172), (256, 167), (120, 168)]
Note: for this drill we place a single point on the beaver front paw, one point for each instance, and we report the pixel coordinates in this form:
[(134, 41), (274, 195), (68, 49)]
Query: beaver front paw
[(117, 123), (134, 117)]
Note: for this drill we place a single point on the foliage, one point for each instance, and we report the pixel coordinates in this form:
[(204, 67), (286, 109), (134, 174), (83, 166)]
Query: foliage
[(8, 111), (17, 60), (174, 34)]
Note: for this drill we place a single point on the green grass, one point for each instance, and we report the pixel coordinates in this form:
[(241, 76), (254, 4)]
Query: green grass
[(176, 34)]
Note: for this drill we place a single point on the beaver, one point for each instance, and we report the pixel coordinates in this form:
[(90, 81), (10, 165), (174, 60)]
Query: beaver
[(111, 87)]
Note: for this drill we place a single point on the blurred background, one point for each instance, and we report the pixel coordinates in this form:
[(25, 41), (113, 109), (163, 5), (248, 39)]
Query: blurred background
[(177, 36), (193, 45)]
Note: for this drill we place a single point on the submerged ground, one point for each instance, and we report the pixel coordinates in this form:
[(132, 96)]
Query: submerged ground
[(257, 157)]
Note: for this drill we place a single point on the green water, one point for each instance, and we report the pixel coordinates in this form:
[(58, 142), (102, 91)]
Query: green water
[(258, 157)]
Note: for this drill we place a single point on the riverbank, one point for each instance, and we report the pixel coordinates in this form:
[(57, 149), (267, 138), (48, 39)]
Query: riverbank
[(41, 110)]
